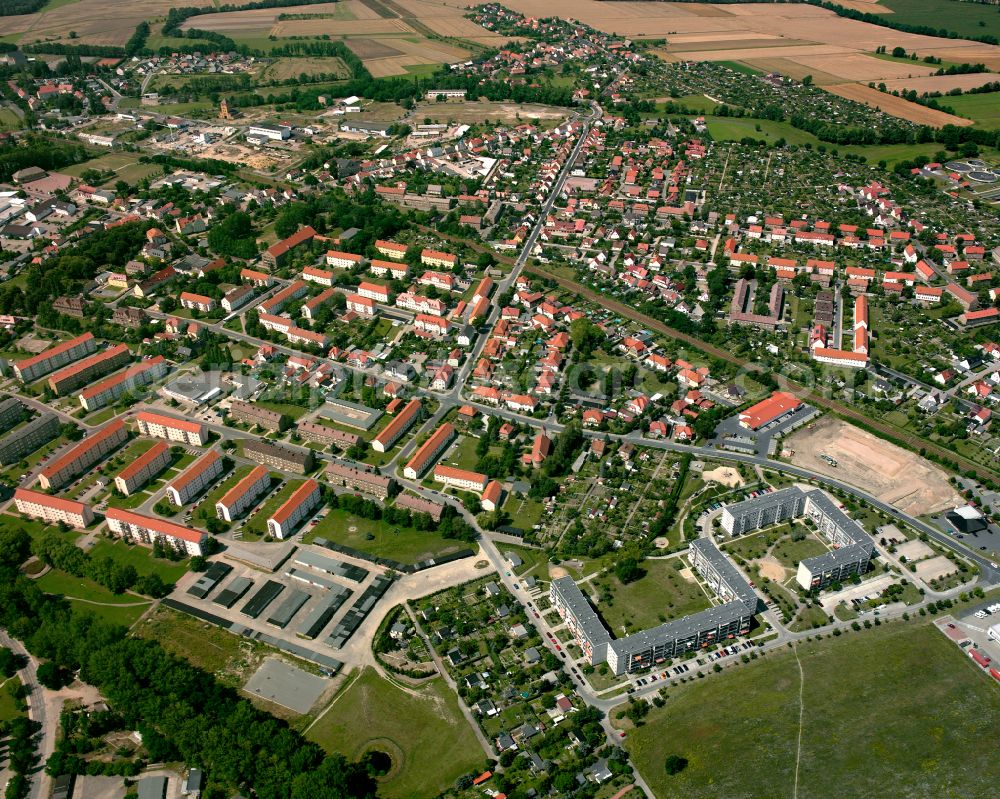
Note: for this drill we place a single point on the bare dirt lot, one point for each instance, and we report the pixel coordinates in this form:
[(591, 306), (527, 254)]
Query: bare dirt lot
[(892, 474), (896, 106), (726, 475)]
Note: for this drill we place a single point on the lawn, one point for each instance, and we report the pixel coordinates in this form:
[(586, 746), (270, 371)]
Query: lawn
[(33, 527), (790, 552), (984, 108), (9, 709), (424, 732), (292, 411), (9, 120), (140, 558), (404, 544), (734, 129), (899, 700), (88, 597), (656, 597), (126, 167)]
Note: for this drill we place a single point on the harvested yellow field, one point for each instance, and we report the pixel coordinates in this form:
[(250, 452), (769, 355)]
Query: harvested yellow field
[(860, 67), (255, 19), (447, 20), (896, 106), (336, 28), (943, 83), (793, 69)]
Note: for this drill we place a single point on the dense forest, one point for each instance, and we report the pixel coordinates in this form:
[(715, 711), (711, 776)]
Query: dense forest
[(9, 8)]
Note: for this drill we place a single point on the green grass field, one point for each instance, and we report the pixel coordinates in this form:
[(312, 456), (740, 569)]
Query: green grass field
[(388, 541), (660, 595), (428, 739), (9, 709), (983, 109), (9, 120), (86, 596), (140, 558), (898, 705), (967, 19)]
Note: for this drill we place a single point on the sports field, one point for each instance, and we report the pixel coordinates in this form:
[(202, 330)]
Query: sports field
[(897, 700), (422, 730)]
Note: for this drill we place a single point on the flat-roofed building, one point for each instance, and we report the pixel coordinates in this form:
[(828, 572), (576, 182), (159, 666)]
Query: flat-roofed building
[(62, 354), (763, 511), (254, 414), (323, 434), (88, 452), (12, 412), (72, 377), (29, 437), (143, 469), (369, 481), (282, 458), (148, 530), (196, 478), (112, 388), (53, 509), (243, 495), (429, 451), (295, 510), (397, 428), (460, 478), (160, 425)]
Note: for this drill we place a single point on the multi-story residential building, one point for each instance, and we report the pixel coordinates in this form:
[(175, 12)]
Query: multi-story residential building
[(143, 469), (369, 481), (296, 510), (282, 458), (243, 495), (261, 280), (321, 433), (196, 478), (362, 306), (147, 530), (311, 306), (442, 260), (420, 304), (343, 260), (373, 291), (391, 249), (72, 377), (12, 412), (763, 511), (54, 358), (429, 451), (460, 478), (237, 298), (420, 505), (323, 277), (254, 414), (298, 288), (438, 280), (53, 509), (131, 318), (397, 428), (853, 546), (84, 455), (197, 302), (393, 270), (29, 437), (276, 255), (171, 428), (432, 325), (112, 388)]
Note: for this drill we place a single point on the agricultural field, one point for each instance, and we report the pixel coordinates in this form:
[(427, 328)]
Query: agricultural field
[(421, 730), (968, 19), (983, 109), (942, 83), (858, 694), (896, 106), (290, 68)]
